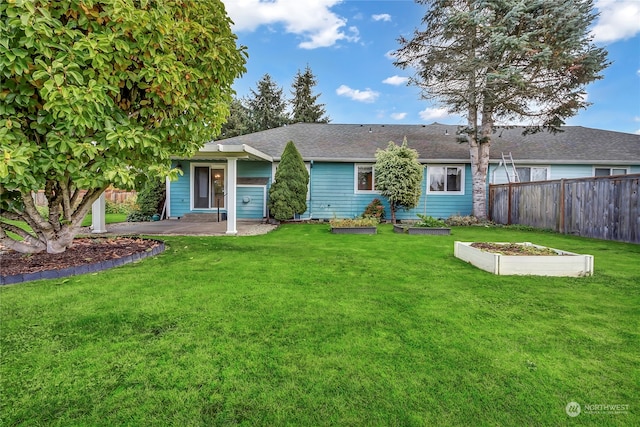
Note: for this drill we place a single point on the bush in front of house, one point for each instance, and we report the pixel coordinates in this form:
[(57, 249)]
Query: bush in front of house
[(429, 221), (149, 201), (288, 193), (375, 209)]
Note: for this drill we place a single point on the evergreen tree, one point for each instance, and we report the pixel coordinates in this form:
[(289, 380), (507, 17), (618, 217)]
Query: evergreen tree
[(267, 106), (288, 194), (304, 103), (238, 122), (500, 61), (398, 176)]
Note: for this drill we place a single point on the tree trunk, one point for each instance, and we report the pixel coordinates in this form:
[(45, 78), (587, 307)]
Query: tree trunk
[(479, 145)]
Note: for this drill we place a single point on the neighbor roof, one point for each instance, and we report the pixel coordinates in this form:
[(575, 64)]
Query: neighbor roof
[(439, 143)]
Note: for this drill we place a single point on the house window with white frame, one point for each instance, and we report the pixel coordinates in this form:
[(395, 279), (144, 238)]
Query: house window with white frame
[(532, 173), (446, 179), (608, 171), (365, 178), (208, 186)]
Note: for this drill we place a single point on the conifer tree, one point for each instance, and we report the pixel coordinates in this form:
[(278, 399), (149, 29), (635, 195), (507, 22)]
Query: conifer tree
[(267, 106), (238, 122), (498, 61), (288, 193), (398, 176), (305, 105)]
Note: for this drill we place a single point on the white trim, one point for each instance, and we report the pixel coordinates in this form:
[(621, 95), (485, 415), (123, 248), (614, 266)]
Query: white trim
[(210, 165), (167, 185), (356, 166), (445, 192), (231, 176)]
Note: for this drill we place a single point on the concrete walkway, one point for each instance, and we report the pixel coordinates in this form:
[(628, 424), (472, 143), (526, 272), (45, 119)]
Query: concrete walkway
[(175, 227)]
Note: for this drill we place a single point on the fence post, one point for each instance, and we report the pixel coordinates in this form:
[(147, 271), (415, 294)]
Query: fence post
[(510, 194)]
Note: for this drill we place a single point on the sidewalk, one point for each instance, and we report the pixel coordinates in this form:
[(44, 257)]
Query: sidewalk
[(175, 227)]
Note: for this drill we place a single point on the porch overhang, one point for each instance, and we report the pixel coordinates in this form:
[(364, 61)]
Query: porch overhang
[(212, 150)]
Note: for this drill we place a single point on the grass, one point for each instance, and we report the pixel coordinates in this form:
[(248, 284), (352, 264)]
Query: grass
[(108, 218), (302, 327)]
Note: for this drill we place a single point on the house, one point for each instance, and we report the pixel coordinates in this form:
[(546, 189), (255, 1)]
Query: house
[(231, 177)]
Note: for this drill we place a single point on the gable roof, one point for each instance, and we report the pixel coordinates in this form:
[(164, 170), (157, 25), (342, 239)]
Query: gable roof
[(439, 143)]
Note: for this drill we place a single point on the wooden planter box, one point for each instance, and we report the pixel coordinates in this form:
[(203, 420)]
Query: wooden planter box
[(566, 264), (422, 230), (354, 230)]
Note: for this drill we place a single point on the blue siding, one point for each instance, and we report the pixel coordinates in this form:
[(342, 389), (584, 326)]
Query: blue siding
[(635, 169), (250, 202), (179, 192), (254, 170), (333, 195)]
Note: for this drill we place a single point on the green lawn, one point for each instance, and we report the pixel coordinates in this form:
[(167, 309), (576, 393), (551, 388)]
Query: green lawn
[(108, 219), (302, 327)]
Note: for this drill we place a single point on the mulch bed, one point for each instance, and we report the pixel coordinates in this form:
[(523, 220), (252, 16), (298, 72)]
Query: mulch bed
[(84, 251)]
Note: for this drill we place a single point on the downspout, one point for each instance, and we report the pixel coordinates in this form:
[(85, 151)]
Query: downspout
[(310, 196)]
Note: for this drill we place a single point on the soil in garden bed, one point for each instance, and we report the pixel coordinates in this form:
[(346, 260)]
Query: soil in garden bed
[(83, 251), (513, 249)]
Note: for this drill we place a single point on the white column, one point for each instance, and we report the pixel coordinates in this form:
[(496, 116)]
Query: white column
[(97, 215), (232, 167)]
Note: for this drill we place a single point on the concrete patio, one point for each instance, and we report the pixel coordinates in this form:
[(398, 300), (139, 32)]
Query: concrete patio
[(176, 227)]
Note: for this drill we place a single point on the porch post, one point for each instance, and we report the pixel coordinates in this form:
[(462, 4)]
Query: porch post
[(97, 215), (232, 166)]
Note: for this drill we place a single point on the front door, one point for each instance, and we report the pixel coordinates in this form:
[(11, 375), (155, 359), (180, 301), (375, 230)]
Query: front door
[(201, 187)]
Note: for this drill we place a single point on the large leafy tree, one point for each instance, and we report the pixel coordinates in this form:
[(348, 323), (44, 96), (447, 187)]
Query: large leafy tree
[(267, 105), (288, 193), (101, 92), (506, 61), (305, 104), (398, 176)]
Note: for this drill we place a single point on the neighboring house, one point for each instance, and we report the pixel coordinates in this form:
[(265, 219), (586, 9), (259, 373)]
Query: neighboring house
[(232, 176)]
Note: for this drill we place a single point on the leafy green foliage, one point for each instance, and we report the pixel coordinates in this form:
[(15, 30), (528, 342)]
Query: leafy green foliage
[(503, 60), (288, 194), (104, 92), (305, 105), (429, 221), (354, 222), (149, 201), (238, 122), (375, 209), (398, 176)]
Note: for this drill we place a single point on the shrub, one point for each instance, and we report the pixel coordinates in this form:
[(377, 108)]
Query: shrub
[(125, 207), (288, 193), (458, 220), (429, 221), (149, 202), (355, 222), (375, 209)]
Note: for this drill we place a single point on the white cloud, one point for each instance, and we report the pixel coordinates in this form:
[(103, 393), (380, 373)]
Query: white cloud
[(382, 17), (311, 19), (619, 20), (398, 116), (636, 119), (637, 132), (396, 80), (366, 95), (433, 114), (390, 55)]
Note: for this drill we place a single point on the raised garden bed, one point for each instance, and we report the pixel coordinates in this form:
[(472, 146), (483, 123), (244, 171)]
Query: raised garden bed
[(354, 230), (421, 230), (531, 260)]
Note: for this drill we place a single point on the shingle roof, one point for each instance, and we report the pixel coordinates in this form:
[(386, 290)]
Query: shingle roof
[(437, 142)]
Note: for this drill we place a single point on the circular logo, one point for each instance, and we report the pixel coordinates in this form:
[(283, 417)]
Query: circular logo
[(572, 409)]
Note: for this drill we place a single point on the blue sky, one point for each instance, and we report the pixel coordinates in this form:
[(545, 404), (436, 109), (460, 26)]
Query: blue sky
[(347, 44)]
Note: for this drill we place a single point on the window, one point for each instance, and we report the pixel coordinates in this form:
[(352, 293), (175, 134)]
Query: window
[(531, 173), (365, 178), (446, 179), (610, 171), (208, 186)]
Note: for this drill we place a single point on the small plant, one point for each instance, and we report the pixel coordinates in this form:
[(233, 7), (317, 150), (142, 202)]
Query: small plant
[(429, 221), (125, 207), (459, 220), (375, 209), (149, 201), (354, 222)]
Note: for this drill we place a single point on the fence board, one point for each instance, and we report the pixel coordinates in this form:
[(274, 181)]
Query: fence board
[(602, 207)]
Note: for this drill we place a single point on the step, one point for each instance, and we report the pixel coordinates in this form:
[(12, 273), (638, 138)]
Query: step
[(203, 217)]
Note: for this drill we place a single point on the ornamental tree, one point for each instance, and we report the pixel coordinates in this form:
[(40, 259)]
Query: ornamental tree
[(498, 61), (398, 176), (102, 92), (288, 193)]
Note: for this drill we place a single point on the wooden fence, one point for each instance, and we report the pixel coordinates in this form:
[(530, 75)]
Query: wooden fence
[(605, 207)]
